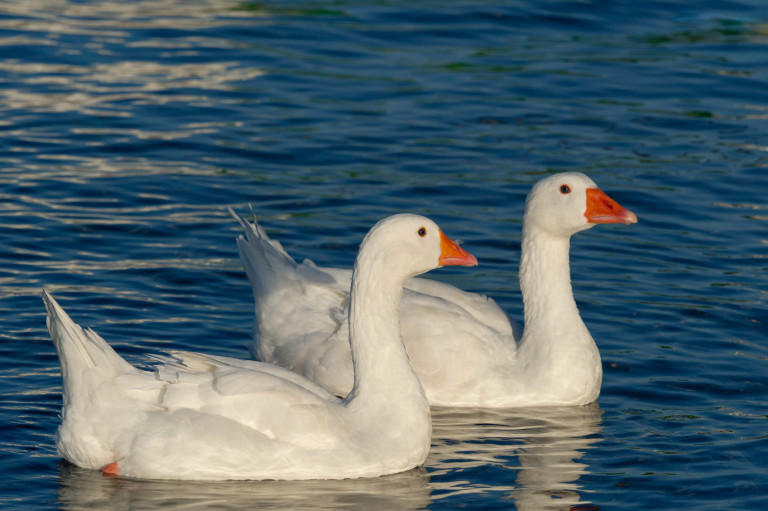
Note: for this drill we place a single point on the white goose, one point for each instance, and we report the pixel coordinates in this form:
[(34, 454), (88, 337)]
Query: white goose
[(464, 348), (206, 417)]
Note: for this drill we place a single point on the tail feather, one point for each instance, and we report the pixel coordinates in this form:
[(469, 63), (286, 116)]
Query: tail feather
[(265, 261), (80, 349), (256, 235), (104, 396)]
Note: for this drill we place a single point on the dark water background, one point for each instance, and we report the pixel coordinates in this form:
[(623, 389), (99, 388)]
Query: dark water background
[(127, 128)]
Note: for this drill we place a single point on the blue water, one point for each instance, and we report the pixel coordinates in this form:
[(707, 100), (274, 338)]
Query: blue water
[(127, 128)]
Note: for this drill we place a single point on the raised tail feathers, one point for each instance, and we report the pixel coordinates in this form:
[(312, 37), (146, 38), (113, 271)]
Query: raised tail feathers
[(256, 235), (80, 348), (265, 261)]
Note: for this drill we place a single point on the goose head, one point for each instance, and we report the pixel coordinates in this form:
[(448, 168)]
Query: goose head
[(412, 244), (564, 204)]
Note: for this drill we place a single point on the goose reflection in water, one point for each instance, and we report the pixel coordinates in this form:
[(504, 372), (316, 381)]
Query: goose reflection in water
[(88, 489), (540, 449), (537, 448)]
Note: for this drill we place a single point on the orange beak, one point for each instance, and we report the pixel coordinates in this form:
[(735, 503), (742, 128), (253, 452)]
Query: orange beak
[(452, 254), (601, 209)]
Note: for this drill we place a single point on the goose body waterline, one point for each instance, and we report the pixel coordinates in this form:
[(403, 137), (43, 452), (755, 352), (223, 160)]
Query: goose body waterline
[(464, 348), (206, 417)]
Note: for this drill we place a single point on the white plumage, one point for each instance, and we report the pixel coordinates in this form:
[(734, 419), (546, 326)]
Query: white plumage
[(464, 348), (206, 417)]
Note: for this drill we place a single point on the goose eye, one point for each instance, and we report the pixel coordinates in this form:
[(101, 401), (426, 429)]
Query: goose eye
[(565, 189), (422, 232)]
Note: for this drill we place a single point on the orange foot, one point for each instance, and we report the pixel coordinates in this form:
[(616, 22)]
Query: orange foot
[(110, 470)]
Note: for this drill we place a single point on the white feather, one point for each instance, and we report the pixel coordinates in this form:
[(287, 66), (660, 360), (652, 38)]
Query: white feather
[(204, 417), (464, 348)]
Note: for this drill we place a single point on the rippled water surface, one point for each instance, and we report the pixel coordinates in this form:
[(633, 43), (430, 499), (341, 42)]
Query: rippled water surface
[(128, 128)]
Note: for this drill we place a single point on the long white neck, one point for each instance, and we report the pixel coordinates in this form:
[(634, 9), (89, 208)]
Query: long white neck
[(545, 281), (384, 377), (557, 353)]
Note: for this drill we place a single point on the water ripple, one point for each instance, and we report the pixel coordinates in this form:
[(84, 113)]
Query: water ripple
[(129, 128)]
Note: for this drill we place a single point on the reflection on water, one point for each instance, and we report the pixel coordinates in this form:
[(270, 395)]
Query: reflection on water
[(100, 70), (139, 82), (552, 446), (467, 444), (87, 489), (546, 443)]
